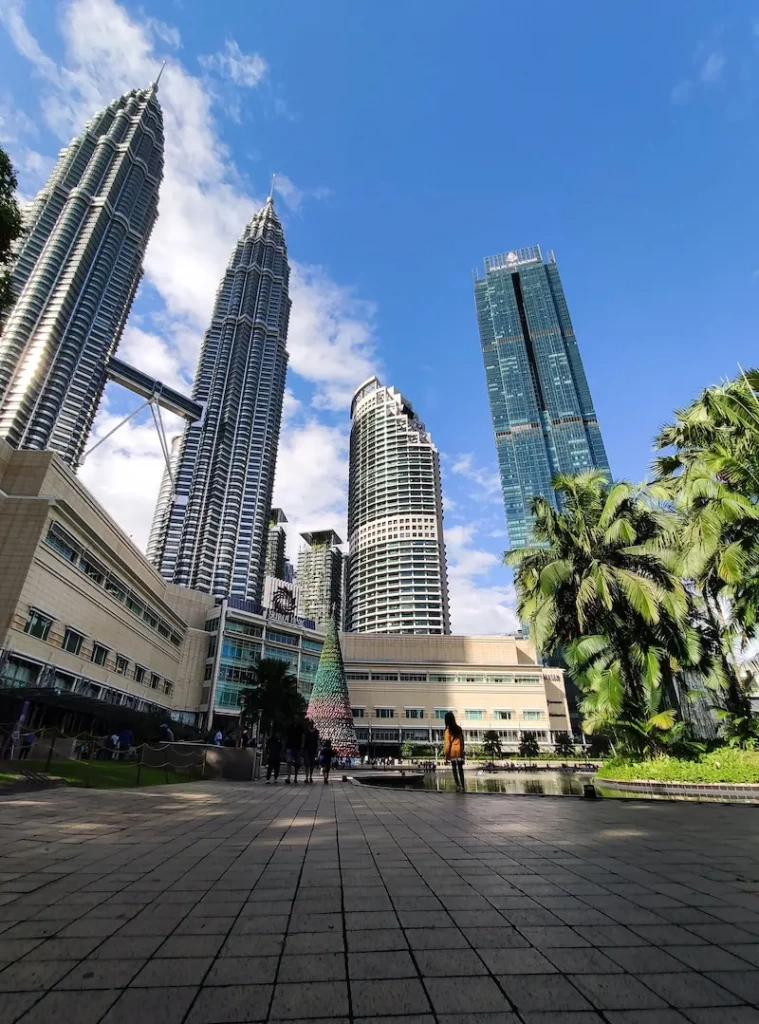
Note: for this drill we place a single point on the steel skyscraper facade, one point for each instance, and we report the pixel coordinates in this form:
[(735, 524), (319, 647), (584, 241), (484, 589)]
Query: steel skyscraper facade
[(76, 276), (397, 574), (542, 412), (212, 535)]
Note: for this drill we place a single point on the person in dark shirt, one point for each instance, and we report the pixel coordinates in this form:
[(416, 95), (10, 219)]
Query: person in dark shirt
[(125, 743), (310, 749), (326, 759), (294, 749), (273, 756)]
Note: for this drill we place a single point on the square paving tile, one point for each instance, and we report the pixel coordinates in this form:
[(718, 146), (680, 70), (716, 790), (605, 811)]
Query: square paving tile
[(34, 975), (582, 960), (317, 998), (443, 963), (315, 967), (473, 996), (82, 1007), (395, 963), (231, 1003), (617, 992), (516, 961), (550, 992), (111, 974), (690, 989)]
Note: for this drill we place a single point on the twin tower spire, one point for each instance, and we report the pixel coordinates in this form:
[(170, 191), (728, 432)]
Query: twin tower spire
[(75, 279)]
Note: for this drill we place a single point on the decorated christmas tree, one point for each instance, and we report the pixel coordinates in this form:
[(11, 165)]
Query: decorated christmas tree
[(330, 706)]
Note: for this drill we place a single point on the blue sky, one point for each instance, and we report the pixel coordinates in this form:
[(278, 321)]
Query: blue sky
[(413, 140)]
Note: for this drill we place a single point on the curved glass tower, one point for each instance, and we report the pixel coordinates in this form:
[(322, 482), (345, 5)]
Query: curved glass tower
[(397, 576), (76, 276), (212, 535), (543, 415)]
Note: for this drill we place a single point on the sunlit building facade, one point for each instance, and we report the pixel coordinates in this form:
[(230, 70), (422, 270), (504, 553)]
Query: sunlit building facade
[(542, 411), (214, 536), (76, 276), (397, 574)]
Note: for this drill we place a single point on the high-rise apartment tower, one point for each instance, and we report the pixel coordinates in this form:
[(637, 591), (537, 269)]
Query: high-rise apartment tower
[(276, 545), (320, 577), (213, 535), (542, 412), (397, 576), (76, 275)]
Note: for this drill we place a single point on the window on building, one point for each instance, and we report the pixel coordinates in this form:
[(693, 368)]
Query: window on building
[(208, 672), (99, 654), (503, 716), (155, 681), (134, 605), (385, 712), (473, 714), (356, 675), (72, 641), (92, 568), (139, 674), (168, 688), (413, 677), (122, 664), (62, 542), (385, 676), (281, 638), (532, 716), (211, 646), (38, 624), (414, 712), (441, 712), (528, 680), (115, 587), (358, 712)]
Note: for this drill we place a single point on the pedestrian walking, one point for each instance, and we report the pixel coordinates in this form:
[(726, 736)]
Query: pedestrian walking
[(454, 749), (325, 759), (165, 734), (27, 742), (125, 743), (273, 756), (218, 737), (310, 749), (294, 749)]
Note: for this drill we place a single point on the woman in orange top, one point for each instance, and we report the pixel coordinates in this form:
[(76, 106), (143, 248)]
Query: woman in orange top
[(454, 749)]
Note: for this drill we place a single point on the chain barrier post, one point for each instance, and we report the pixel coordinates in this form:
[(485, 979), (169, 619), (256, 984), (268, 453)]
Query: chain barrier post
[(203, 768), (139, 763)]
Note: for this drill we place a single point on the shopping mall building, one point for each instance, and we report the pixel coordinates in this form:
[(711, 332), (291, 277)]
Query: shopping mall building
[(85, 620)]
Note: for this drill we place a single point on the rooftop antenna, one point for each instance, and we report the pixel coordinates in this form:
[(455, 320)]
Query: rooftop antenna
[(158, 79), (271, 190)]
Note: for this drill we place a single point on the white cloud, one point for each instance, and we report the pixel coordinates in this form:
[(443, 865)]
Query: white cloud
[(244, 69), (312, 479), (478, 605), (293, 195), (487, 481), (331, 338), (681, 92), (712, 66)]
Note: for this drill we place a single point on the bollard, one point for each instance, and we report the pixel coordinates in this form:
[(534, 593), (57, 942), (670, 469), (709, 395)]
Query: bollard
[(589, 791)]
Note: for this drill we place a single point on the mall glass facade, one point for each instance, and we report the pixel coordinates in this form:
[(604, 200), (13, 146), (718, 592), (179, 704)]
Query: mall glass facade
[(540, 402)]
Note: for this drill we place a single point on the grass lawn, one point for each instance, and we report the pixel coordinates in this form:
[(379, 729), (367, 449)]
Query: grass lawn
[(723, 765), (103, 774)]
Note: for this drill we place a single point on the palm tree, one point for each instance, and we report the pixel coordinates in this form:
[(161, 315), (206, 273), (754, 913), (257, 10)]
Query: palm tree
[(491, 745), (271, 691), (601, 586), (711, 472)]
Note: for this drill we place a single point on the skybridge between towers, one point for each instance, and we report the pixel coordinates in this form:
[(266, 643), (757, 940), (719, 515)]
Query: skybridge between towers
[(157, 396)]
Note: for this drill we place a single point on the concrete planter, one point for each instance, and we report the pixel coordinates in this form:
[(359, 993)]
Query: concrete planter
[(719, 792)]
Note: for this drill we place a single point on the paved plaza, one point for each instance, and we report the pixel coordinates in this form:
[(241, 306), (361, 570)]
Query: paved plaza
[(226, 902)]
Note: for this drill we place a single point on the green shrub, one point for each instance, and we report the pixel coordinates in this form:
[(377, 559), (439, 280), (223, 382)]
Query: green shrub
[(725, 764)]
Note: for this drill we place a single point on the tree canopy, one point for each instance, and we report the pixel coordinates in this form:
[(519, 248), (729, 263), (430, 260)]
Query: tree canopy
[(10, 228)]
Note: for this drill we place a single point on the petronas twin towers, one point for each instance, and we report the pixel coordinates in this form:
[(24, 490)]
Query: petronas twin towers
[(75, 278)]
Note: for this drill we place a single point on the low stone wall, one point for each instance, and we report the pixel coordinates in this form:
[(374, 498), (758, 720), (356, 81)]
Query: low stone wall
[(239, 764), (710, 792)]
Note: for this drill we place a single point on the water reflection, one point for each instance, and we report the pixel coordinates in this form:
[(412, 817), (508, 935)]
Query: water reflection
[(540, 783)]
